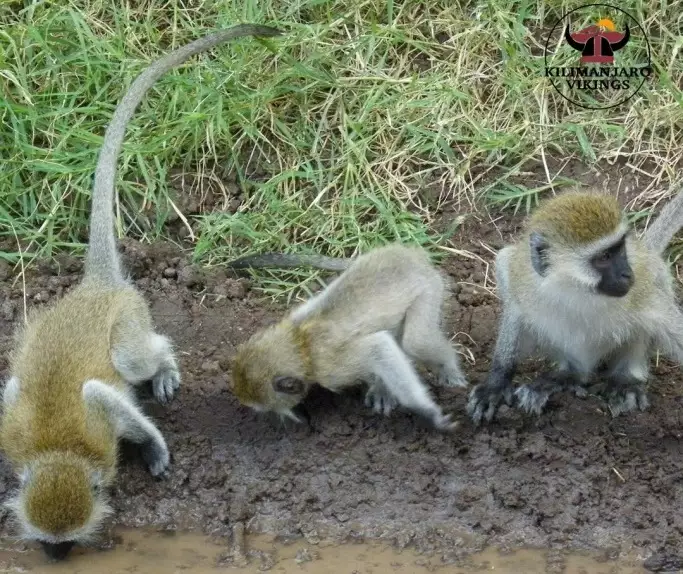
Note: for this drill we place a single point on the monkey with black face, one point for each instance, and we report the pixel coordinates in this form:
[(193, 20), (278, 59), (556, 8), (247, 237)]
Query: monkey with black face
[(367, 325), (70, 396), (582, 290)]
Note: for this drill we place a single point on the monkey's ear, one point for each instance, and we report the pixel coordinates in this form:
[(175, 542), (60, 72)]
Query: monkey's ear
[(288, 385), (539, 253)]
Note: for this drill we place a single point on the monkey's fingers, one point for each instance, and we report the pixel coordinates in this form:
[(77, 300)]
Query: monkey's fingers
[(157, 457), (381, 401), (164, 384), (484, 401), (533, 397), (628, 401), (623, 395)]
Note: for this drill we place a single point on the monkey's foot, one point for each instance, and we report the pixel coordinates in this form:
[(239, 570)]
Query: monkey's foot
[(380, 400), (157, 457), (165, 383), (533, 397), (452, 377), (624, 396), (485, 399)]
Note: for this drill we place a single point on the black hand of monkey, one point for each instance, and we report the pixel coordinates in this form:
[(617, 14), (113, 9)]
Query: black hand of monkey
[(485, 399), (533, 397)]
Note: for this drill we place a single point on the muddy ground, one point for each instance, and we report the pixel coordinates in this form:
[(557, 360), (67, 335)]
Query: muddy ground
[(573, 478)]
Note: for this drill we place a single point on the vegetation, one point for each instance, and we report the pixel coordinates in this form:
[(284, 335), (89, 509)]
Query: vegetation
[(353, 129)]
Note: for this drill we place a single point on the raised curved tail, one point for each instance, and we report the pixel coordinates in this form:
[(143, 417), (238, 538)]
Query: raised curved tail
[(669, 221), (102, 260)]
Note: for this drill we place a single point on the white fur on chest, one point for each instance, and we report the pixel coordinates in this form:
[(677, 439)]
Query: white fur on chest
[(578, 326)]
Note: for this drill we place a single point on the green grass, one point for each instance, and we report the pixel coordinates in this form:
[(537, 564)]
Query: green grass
[(351, 130)]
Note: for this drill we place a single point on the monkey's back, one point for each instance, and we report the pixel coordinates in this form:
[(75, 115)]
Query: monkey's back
[(375, 292), (59, 349)]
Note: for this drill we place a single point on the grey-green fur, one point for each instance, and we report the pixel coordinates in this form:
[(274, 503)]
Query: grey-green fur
[(102, 261)]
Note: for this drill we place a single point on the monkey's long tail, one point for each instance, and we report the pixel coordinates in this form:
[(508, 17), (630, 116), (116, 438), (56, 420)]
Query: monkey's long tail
[(102, 260), (670, 220), (288, 260)]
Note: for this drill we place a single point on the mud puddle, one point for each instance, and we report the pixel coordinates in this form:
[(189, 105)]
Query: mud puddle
[(152, 552)]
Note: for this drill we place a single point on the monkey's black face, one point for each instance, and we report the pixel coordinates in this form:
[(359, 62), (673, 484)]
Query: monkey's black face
[(616, 275), (57, 551)]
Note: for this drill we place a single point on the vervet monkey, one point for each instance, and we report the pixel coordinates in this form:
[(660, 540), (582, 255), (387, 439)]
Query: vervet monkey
[(582, 289), (71, 391), (366, 325)]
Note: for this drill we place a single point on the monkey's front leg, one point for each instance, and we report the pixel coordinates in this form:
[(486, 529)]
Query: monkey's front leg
[(485, 399), (386, 361), (130, 424), (139, 355)]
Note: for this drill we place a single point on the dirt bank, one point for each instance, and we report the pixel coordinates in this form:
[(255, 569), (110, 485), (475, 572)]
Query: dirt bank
[(574, 477)]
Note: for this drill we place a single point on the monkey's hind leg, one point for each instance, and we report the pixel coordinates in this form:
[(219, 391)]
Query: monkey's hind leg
[(533, 397), (423, 338), (386, 361), (139, 354), (130, 424), (624, 389)]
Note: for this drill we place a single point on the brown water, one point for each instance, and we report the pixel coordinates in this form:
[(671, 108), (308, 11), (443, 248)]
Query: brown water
[(150, 552)]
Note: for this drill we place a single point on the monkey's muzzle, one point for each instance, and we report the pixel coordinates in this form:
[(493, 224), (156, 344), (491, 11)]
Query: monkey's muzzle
[(57, 551)]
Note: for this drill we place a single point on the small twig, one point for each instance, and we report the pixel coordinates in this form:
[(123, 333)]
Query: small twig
[(23, 271)]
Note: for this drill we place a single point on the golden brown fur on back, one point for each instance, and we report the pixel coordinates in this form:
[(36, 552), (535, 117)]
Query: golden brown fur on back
[(55, 357), (65, 447)]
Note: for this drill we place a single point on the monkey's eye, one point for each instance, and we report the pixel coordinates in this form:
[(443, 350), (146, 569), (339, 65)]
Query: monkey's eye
[(604, 257)]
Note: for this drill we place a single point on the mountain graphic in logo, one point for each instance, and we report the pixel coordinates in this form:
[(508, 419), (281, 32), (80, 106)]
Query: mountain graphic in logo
[(598, 43)]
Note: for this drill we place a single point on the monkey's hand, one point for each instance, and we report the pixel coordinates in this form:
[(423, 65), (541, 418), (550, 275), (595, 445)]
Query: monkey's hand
[(165, 383), (379, 399), (624, 394), (156, 455), (485, 399)]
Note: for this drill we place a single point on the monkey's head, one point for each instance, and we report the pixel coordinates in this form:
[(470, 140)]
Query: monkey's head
[(581, 239), (269, 370), (60, 503)]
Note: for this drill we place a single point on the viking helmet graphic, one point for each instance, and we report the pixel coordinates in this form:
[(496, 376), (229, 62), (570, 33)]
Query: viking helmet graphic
[(597, 44)]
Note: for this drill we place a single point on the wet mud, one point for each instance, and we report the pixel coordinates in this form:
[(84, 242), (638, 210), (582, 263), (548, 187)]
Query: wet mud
[(573, 478), (138, 551)]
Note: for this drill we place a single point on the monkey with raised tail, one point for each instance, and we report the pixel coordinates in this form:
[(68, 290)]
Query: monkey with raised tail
[(579, 287), (368, 324), (70, 395)]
